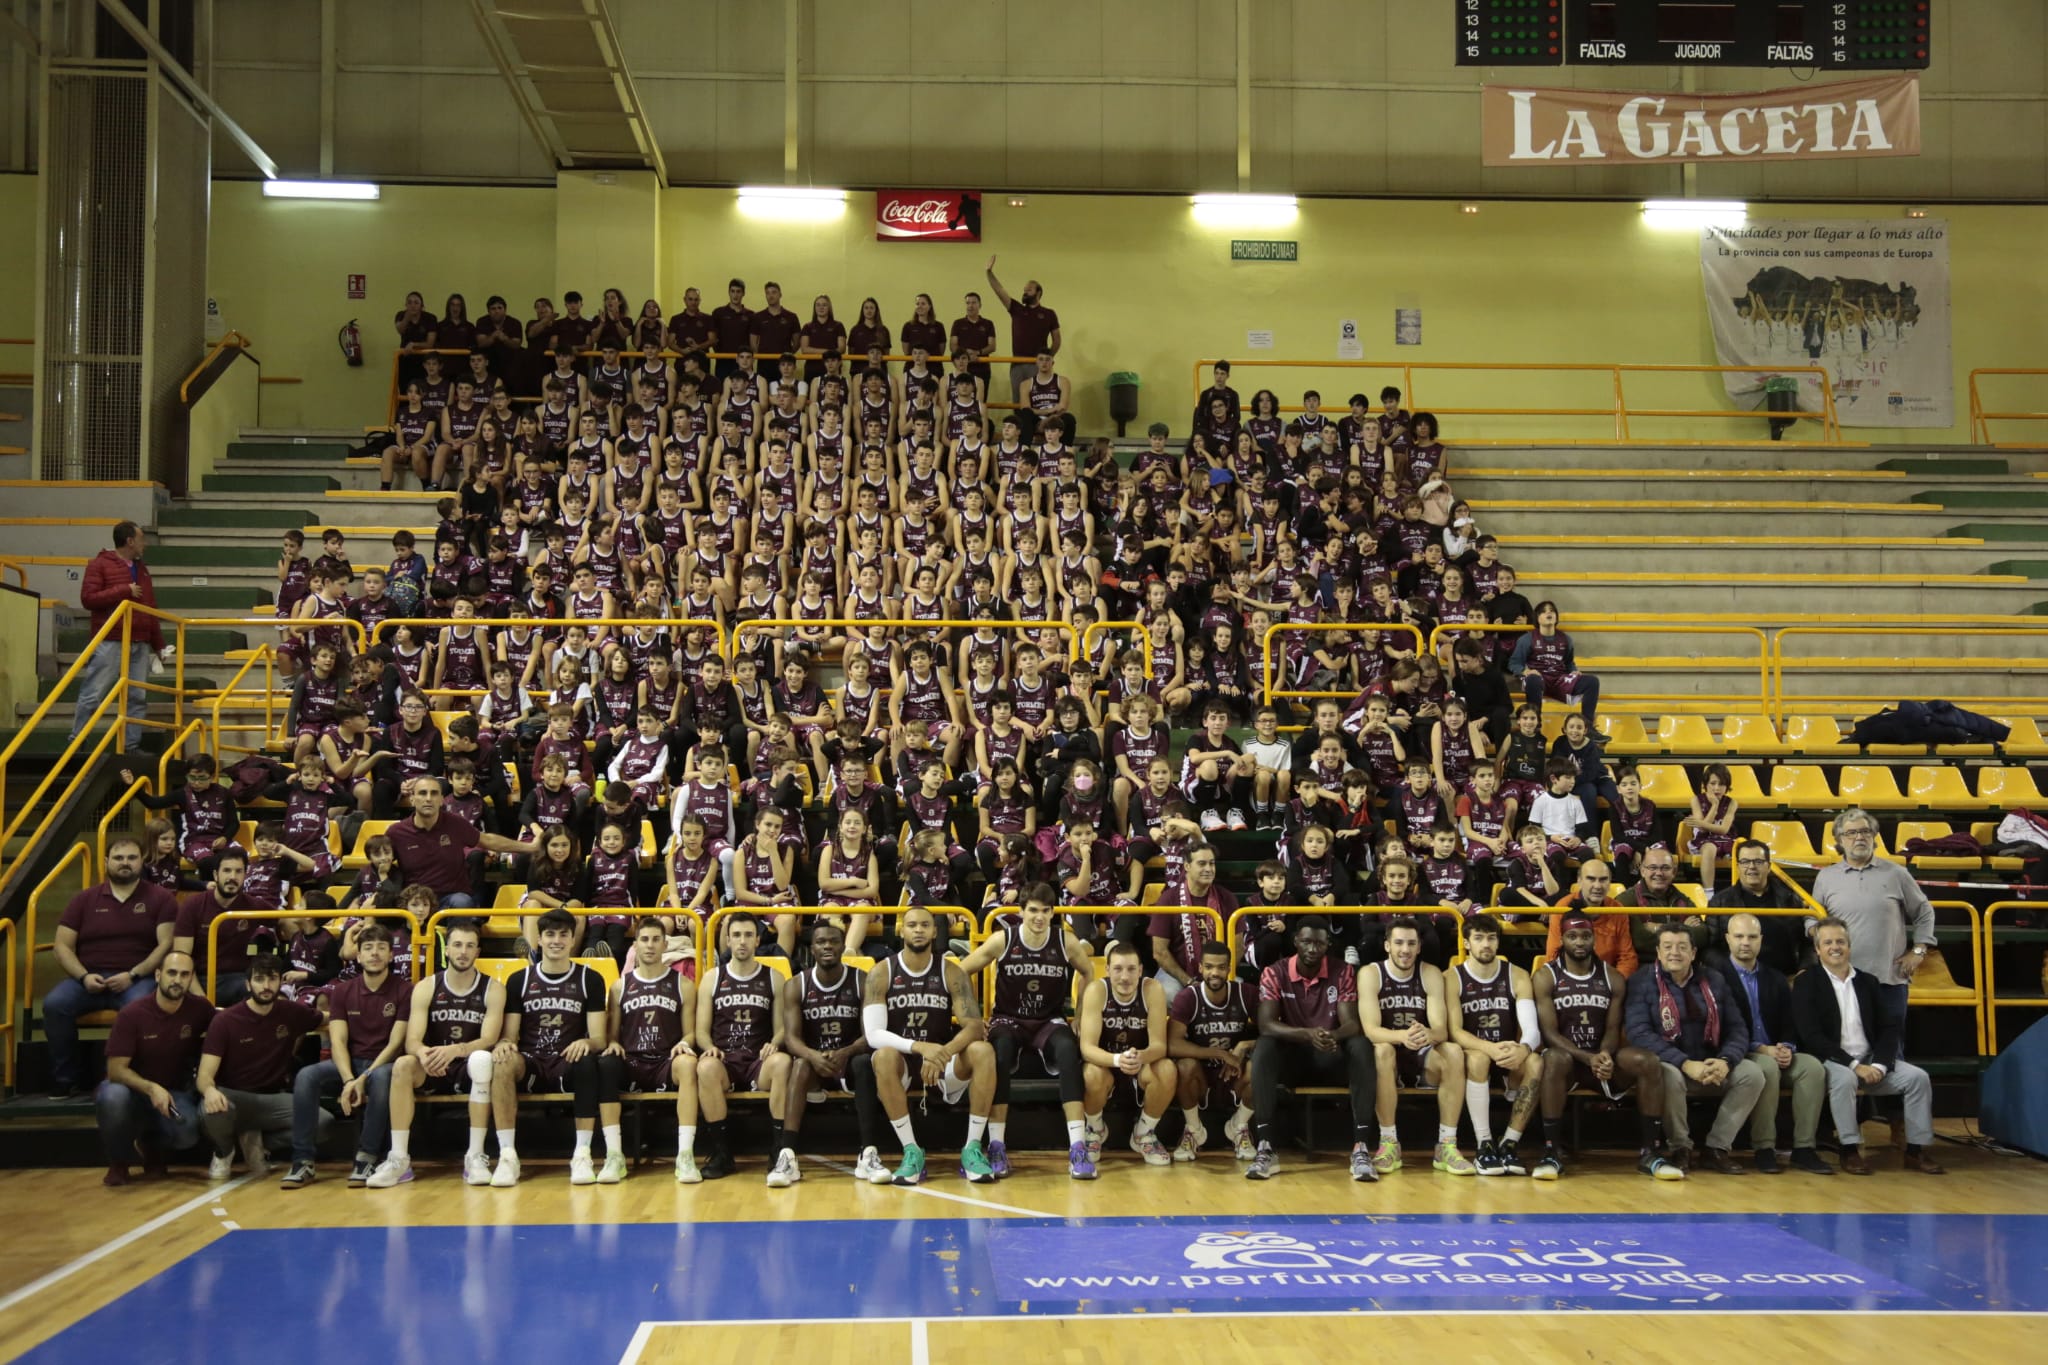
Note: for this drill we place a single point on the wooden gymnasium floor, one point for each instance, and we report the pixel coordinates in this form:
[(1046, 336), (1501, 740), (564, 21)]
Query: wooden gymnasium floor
[(1157, 1264)]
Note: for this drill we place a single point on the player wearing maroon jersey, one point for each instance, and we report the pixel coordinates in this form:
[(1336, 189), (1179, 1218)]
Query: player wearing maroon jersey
[(1492, 1016), (457, 1015), (739, 1039), (553, 1041), (821, 1027), (1035, 960), (1210, 1035), (1123, 1034), (1309, 1027), (652, 1023), (1401, 1002), (918, 1004), (1579, 1007)]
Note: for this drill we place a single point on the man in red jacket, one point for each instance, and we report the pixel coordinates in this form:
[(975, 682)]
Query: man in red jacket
[(113, 577)]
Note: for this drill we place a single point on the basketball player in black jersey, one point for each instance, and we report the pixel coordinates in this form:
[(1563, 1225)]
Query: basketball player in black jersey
[(739, 1039), (457, 1015), (1210, 1034), (1492, 1015), (1401, 1003), (1123, 1036), (1579, 1008), (821, 1029), (652, 1023), (1035, 960), (913, 1000), (553, 1042)]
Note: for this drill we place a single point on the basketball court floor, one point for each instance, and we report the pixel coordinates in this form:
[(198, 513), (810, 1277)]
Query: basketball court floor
[(1146, 1263)]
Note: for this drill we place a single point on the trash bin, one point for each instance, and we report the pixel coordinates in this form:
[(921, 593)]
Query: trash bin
[(1781, 394), (1123, 399)]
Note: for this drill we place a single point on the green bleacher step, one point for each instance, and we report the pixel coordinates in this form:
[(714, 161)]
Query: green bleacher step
[(47, 740), (45, 686), (279, 517), (2025, 568), (310, 452), (1997, 531), (268, 483), (199, 641), (163, 557), (213, 600), (1983, 497), (1942, 469)]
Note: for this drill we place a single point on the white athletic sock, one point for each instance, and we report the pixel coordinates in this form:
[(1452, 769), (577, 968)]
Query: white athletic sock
[(975, 1128), (1447, 1135), (583, 1136), (401, 1141), (688, 1145), (1192, 1115), (1243, 1114), (1146, 1123), (614, 1145), (1077, 1131), (905, 1134), (505, 1142), (1511, 1138), (1477, 1098), (996, 1130), (476, 1141)]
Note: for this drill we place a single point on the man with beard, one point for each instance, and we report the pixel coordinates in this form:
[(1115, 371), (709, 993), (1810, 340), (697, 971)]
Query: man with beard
[(653, 1018), (1309, 1027), (201, 909), (245, 1069), (366, 1026), (1210, 1037), (457, 1014), (1402, 1005), (913, 1001), (148, 1099), (109, 942), (822, 1030), (1033, 328)]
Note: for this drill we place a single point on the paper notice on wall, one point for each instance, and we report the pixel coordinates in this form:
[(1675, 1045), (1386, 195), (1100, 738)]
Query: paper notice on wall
[(1407, 326), (1349, 347), (1259, 340)]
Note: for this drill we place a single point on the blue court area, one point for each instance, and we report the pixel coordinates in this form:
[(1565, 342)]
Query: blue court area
[(456, 1293)]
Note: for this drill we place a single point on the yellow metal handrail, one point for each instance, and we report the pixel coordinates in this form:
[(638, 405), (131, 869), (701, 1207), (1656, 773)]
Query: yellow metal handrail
[(78, 853), (1987, 980), (213, 934), (1244, 913), (1144, 632), (1761, 702), (440, 623), (266, 656), (8, 1026), (1981, 418), (233, 340), (480, 914), (1269, 692), (896, 623), (1781, 703)]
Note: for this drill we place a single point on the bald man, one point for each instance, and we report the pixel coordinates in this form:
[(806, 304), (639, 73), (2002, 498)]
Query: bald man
[(1612, 936), (1765, 997)]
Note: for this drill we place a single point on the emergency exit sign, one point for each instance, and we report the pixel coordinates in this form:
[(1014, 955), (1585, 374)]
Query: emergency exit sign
[(1243, 250)]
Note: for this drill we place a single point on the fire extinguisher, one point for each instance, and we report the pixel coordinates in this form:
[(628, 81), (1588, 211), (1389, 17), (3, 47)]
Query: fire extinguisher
[(351, 342)]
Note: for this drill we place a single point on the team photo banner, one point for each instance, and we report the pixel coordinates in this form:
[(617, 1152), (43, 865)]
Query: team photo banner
[(1538, 127), (1866, 300)]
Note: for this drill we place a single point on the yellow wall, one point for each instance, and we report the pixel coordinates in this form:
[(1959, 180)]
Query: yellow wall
[(18, 281), (1138, 284), (220, 415)]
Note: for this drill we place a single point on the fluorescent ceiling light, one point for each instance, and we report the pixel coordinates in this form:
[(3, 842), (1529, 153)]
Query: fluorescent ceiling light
[(320, 189), (1693, 214), (792, 203), (1244, 210)]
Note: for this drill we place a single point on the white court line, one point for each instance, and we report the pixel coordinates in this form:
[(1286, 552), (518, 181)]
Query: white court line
[(106, 1249), (942, 1194), (920, 1343)]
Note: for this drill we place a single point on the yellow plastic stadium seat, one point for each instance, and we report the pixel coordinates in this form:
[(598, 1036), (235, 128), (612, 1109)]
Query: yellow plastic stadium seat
[(1999, 788), (1938, 788), (355, 856), (1743, 786), (2025, 741), (441, 719), (1985, 832), (1685, 735), (858, 962), (1152, 893), (1666, 784), (245, 835), (1934, 985), (501, 968), (1750, 735), (1933, 862), (1799, 786), (1833, 853), (1625, 734), (1871, 788), (509, 896), (778, 965), (1789, 842), (1815, 735), (649, 854)]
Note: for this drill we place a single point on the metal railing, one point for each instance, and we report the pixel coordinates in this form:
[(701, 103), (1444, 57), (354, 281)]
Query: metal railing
[(1987, 980), (1268, 692), (1982, 417), (1781, 703), (412, 922)]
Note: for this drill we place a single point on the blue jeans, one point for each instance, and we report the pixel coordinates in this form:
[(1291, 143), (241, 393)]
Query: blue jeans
[(323, 1081), (230, 988), (61, 1007), (461, 900), (101, 673), (126, 1115)]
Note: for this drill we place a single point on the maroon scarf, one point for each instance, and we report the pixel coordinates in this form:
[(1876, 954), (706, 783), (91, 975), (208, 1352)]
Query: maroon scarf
[(1671, 1011)]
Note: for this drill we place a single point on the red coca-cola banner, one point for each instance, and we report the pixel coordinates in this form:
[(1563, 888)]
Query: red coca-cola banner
[(927, 215)]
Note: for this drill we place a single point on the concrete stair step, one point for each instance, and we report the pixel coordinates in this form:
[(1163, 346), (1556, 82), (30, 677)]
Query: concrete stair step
[(1534, 555), (209, 599), (2034, 498), (273, 484), (203, 558), (297, 450), (342, 477), (344, 437), (1947, 469), (280, 514), (2026, 568), (1565, 456), (2002, 531), (1736, 592)]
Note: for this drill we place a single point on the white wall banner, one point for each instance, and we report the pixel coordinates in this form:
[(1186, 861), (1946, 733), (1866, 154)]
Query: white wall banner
[(1864, 299)]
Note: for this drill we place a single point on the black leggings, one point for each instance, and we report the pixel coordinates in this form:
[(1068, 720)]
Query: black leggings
[(594, 1079), (1276, 1063), (1062, 1052)]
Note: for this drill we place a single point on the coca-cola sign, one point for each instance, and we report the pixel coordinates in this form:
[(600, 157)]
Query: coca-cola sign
[(928, 215)]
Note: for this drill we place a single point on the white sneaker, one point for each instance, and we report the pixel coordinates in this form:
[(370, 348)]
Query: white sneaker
[(253, 1155), (870, 1168), (393, 1170), (1234, 1127), (221, 1167), (785, 1172), (1148, 1146), (613, 1170), (1096, 1126), (582, 1170), (1236, 819), (686, 1169), (476, 1169), (1191, 1143), (1211, 822), (507, 1174)]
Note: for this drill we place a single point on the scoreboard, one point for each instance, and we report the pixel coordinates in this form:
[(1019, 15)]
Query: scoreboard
[(1827, 35)]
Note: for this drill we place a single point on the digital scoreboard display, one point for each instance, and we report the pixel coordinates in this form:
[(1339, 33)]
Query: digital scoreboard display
[(1825, 35)]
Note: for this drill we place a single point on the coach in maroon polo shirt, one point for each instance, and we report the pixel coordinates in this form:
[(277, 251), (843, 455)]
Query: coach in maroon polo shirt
[(109, 942), (433, 847), (1309, 1031)]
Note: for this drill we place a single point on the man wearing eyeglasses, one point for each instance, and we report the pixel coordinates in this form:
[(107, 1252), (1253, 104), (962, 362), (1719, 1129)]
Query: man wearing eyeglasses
[(1890, 922), (1755, 888)]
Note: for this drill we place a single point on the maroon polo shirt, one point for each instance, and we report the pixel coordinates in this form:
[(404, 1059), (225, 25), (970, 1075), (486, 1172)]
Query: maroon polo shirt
[(690, 331), (1308, 1001), (1031, 328), (974, 335), (115, 934), (436, 857), (775, 333), (733, 328), (237, 936), (161, 1047), (255, 1050), (370, 1015)]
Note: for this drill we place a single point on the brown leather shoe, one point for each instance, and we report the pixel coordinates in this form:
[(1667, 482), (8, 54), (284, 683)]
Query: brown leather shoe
[(1925, 1164), (1717, 1159), (1853, 1162)]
